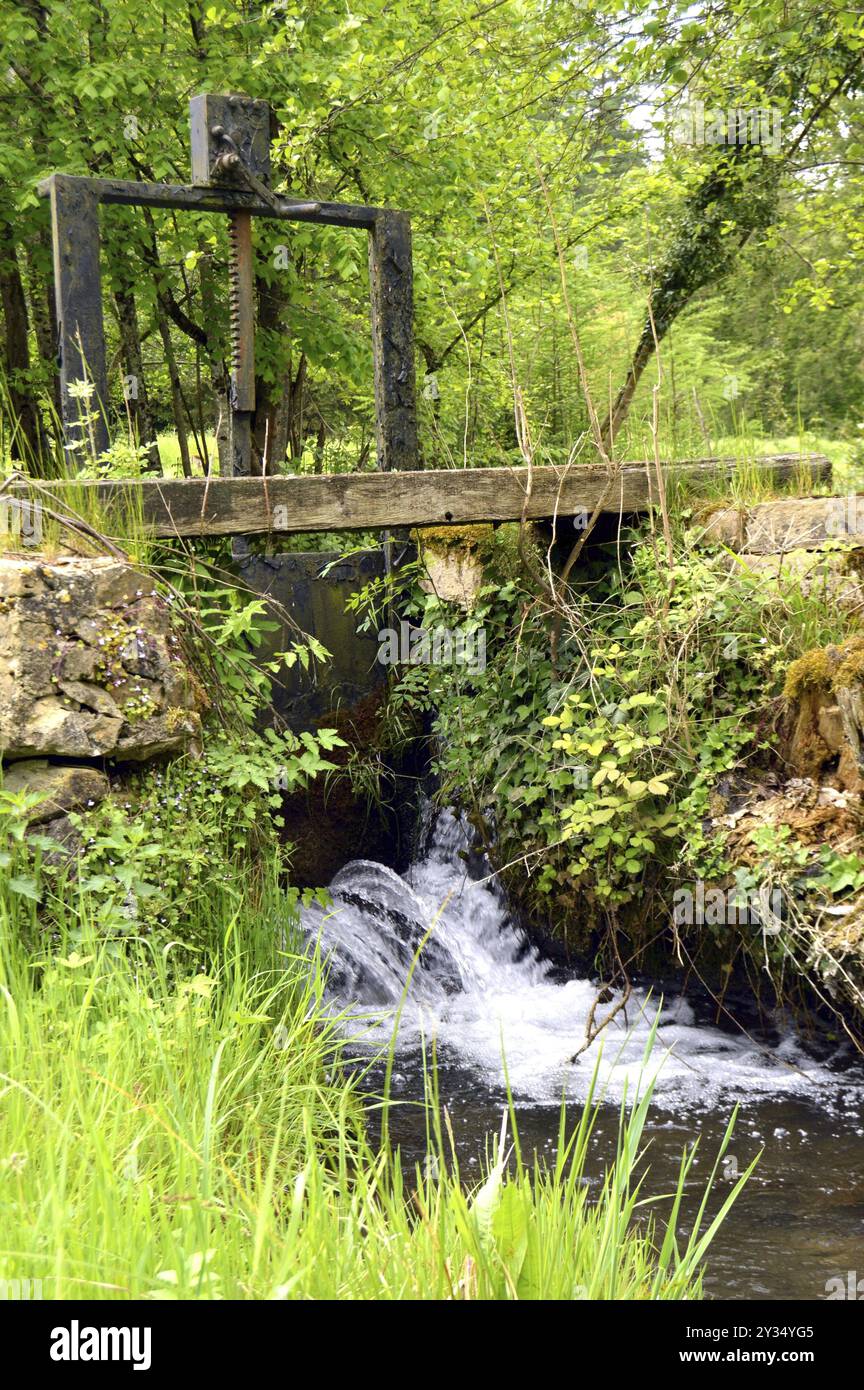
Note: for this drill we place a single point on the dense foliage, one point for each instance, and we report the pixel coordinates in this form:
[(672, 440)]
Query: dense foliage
[(178, 1121), (750, 255), (593, 274), (605, 776)]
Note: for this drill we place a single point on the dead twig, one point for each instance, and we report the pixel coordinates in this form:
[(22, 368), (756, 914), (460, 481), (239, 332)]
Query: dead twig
[(592, 1032)]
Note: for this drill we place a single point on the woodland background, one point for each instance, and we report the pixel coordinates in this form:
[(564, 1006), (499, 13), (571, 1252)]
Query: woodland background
[(748, 257)]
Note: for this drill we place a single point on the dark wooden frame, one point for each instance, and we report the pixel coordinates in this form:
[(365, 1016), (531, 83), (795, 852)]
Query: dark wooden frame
[(75, 203)]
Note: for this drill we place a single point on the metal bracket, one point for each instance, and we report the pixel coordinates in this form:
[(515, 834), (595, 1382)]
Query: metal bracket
[(246, 123)]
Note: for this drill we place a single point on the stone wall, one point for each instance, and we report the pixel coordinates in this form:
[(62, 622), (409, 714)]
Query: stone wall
[(91, 670)]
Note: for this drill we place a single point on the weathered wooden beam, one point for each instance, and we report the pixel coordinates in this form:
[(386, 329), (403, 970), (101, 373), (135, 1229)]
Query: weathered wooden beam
[(800, 523), (392, 296), (198, 198), (380, 500), (78, 297)]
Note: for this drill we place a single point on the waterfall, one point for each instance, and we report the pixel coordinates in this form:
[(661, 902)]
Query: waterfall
[(484, 994)]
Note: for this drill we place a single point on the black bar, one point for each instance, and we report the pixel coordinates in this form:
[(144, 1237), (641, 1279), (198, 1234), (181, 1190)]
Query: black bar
[(200, 1338), (215, 198)]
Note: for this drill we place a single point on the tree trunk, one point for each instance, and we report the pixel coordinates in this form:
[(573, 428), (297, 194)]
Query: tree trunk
[(25, 433), (739, 191), (277, 429), (219, 381), (296, 409), (136, 394), (622, 402), (176, 391), (44, 315), (320, 443), (272, 398)]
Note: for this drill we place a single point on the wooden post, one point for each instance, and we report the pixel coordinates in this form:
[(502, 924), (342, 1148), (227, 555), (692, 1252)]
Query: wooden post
[(391, 289), (78, 296)]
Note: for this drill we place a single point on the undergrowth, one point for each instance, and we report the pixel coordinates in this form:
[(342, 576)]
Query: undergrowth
[(599, 776), (199, 1138), (177, 1120)]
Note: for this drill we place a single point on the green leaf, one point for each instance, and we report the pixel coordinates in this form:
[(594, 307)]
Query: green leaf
[(25, 887)]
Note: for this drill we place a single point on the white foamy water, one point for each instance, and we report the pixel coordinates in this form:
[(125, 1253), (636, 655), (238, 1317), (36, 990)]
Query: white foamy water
[(483, 995)]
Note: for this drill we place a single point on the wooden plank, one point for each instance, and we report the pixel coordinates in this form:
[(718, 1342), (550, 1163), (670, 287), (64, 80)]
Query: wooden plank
[(379, 500), (215, 198), (775, 528), (392, 296), (78, 297)]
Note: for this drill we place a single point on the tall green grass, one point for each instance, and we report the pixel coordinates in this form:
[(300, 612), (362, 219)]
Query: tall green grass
[(171, 1136)]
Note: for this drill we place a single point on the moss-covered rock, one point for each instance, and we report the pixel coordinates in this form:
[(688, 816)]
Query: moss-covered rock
[(454, 560), (61, 787), (826, 668), (825, 692), (90, 663)]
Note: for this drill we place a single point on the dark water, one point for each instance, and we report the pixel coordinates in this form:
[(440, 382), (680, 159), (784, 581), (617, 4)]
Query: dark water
[(798, 1223), (482, 996)]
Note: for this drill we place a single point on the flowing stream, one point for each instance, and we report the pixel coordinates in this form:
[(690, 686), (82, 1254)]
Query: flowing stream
[(485, 996)]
